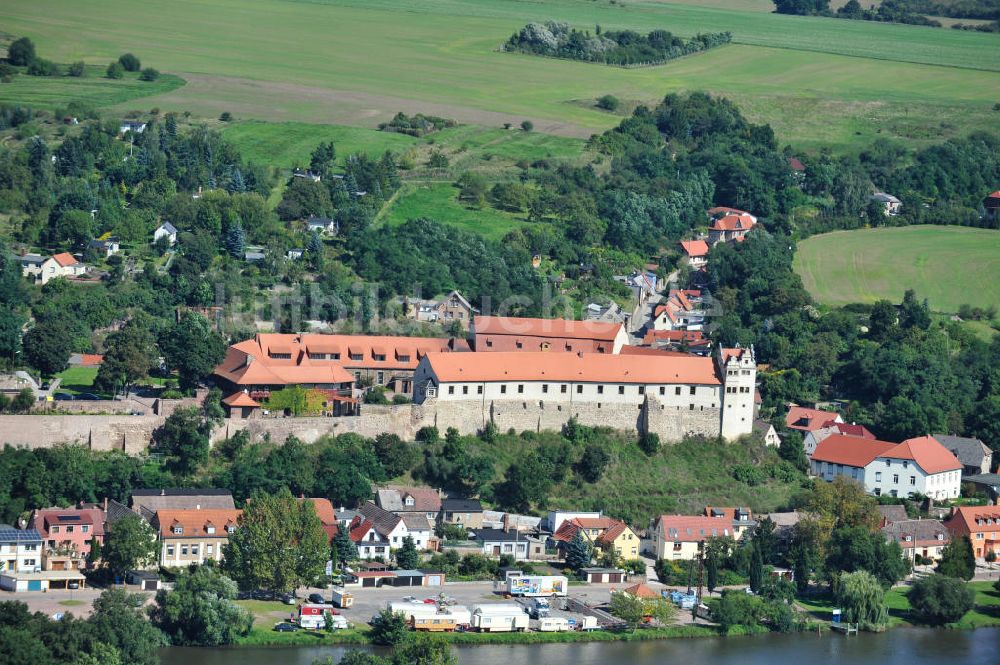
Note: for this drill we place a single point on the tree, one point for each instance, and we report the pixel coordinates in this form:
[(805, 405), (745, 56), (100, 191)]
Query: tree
[(149, 74), (77, 69), (279, 544), (47, 346), (389, 628), (96, 552), (21, 52), (628, 608), (862, 599), (711, 573), (322, 159), (118, 621), (191, 348), (129, 355), (593, 462), (939, 599), (314, 252), (578, 552), (115, 70), (236, 241), (736, 608), (407, 556), (857, 548), (958, 559), (649, 442), (527, 125), (355, 657), (756, 568), (424, 650), (129, 62), (199, 611), (396, 456), (347, 551), (184, 436), (608, 103), (130, 544), (472, 189)]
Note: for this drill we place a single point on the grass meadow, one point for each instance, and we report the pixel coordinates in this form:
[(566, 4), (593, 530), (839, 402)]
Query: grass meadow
[(948, 265), (438, 200), (357, 63), (94, 89)]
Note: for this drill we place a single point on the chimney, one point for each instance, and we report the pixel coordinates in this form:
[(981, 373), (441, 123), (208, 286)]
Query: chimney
[(105, 505), (163, 492)]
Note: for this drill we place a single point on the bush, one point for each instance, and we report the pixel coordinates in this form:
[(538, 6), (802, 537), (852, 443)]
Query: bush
[(608, 103), (115, 70), (226, 116), (389, 628), (149, 74), (939, 599), (749, 474), (527, 125), (401, 399), (77, 69), (376, 396), (42, 67), (130, 62)]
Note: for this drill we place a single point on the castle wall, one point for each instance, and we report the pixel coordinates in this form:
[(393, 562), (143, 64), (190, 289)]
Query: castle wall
[(130, 434)]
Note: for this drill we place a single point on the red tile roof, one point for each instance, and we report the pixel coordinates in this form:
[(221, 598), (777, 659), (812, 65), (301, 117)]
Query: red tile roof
[(730, 354), (569, 528), (693, 337), (640, 590), (692, 528), (994, 195), (46, 517), (795, 164), (91, 359), (806, 420), (850, 450), (695, 248), (65, 259), (572, 367), (743, 222), (928, 453), (850, 429), (563, 328), (240, 399)]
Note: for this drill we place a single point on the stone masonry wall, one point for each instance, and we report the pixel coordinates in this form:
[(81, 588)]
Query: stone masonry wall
[(130, 434)]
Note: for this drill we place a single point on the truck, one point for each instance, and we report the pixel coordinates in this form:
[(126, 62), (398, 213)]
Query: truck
[(531, 586), (499, 618), (342, 598)]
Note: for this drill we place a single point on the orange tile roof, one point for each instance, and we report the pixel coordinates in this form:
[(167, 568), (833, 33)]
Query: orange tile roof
[(324, 510), (91, 359), (850, 450), (994, 195), (640, 590), (65, 259), (725, 210), (558, 328), (963, 520), (729, 354), (928, 453), (743, 222), (240, 399), (690, 336), (693, 528), (695, 248), (806, 420), (572, 367), (195, 522)]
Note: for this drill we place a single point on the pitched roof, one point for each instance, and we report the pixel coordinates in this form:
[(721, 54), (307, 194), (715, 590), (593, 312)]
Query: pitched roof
[(195, 523), (461, 505), (850, 450), (921, 533), (969, 451), (44, 518), (963, 520), (565, 328), (725, 210), (181, 498), (359, 527), (569, 528), (324, 510), (496, 535), (994, 195), (695, 248), (382, 520), (689, 336), (928, 453), (804, 419), (850, 429), (425, 499), (65, 259), (743, 222), (693, 528), (417, 522), (640, 590), (892, 513), (168, 227), (240, 399), (9, 534), (796, 164), (572, 367)]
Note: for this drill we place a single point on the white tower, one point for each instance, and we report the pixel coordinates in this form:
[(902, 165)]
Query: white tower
[(738, 369)]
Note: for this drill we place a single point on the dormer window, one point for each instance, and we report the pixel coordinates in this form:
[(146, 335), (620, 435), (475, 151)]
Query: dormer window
[(409, 501), (230, 528), (177, 530), (210, 529)]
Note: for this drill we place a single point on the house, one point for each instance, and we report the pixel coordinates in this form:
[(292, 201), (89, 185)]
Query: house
[(148, 502), (324, 226), (498, 542), (915, 466), (240, 405), (784, 523), (134, 126), (889, 203), (21, 563), (166, 230), (68, 534), (798, 169), (327, 516), (508, 334), (467, 513), (378, 532), (925, 538), (555, 518), (307, 175), (495, 519), (254, 254), (696, 252), (294, 254), (444, 310), (640, 590), (975, 456), (767, 432), (741, 518), (603, 532), (683, 536), (692, 341), (806, 420), (677, 312), (891, 514), (85, 360), (729, 225), (194, 535), (402, 500), (57, 265), (987, 483), (981, 524), (106, 247), (813, 438), (991, 204)]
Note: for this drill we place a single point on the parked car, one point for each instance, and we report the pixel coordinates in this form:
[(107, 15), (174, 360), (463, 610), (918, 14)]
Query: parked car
[(285, 627), (73, 584), (288, 599), (88, 396), (317, 598), (63, 397)]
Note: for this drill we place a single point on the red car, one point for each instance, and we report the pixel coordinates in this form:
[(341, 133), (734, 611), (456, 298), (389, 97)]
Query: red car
[(430, 601)]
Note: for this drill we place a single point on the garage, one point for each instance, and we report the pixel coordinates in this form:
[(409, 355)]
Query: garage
[(604, 575), (433, 578), (407, 578), (34, 585)]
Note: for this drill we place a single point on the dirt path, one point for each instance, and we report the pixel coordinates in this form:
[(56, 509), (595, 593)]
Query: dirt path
[(268, 100)]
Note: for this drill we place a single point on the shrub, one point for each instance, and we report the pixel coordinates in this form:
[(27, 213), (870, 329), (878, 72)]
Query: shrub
[(389, 628), (42, 67), (149, 74), (749, 474), (130, 62), (77, 69), (939, 599), (527, 125), (115, 70), (376, 396), (226, 116), (608, 103)]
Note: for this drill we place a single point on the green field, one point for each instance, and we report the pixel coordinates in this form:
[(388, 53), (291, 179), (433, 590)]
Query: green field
[(94, 89), (359, 62), (948, 265), (437, 201), (77, 379)]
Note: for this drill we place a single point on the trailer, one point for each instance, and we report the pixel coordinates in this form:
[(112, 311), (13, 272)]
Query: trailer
[(313, 615), (499, 618), (343, 598), (553, 625), (530, 586), (433, 623)]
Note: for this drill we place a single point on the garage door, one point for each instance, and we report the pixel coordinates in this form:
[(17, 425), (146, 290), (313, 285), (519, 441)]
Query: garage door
[(34, 585), (432, 580)]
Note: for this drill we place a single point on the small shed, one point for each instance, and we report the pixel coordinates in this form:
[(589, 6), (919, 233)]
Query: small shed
[(240, 405), (603, 575), (145, 579)]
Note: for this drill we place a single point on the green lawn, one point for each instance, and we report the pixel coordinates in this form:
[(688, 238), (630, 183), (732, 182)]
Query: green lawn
[(948, 265), (77, 379), (367, 59), (94, 89), (437, 201)]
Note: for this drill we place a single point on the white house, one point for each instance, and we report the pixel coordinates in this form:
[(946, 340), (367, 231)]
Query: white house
[(107, 247), (696, 253), (683, 536), (134, 126), (915, 466), (21, 560), (497, 542), (378, 532), (889, 203), (165, 230), (322, 226), (813, 438), (57, 265)]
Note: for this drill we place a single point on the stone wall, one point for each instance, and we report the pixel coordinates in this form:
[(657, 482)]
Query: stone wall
[(130, 434), (403, 420)]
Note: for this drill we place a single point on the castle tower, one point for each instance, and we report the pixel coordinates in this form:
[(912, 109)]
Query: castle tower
[(738, 370)]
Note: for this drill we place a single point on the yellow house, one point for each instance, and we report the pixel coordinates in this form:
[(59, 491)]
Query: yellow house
[(603, 532)]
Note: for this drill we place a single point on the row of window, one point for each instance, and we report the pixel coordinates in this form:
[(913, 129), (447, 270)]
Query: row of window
[(737, 389), (69, 528), (210, 530), (357, 357), (190, 549), (564, 388), (895, 478)]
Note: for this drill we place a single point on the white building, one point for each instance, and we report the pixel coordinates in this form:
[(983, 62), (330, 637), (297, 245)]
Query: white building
[(20, 550), (377, 532), (58, 265), (814, 437), (682, 537), (915, 466), (165, 230)]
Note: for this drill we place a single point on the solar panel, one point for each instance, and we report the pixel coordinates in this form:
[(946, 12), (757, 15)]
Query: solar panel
[(69, 518)]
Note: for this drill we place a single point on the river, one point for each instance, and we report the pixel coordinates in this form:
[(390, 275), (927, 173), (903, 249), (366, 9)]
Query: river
[(900, 646)]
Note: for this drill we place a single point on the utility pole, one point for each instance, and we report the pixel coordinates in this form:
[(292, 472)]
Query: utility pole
[(701, 579)]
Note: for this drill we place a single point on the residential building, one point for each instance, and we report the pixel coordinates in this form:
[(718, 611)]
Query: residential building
[(402, 500), (975, 456), (987, 483), (741, 518), (294, 254), (915, 466), (555, 518), (603, 532), (105, 246), (378, 532), (683, 536), (813, 438), (690, 341), (890, 204), (148, 502), (767, 432), (20, 550), (166, 230), (806, 420), (784, 523), (892, 513), (991, 204), (925, 538), (134, 126), (68, 534), (696, 253), (467, 513), (57, 265), (729, 225), (678, 312), (497, 542), (510, 334), (327, 516), (323, 226), (445, 310), (981, 524), (194, 535)]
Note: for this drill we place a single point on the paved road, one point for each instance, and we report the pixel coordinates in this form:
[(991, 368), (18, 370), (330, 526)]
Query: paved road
[(51, 602)]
